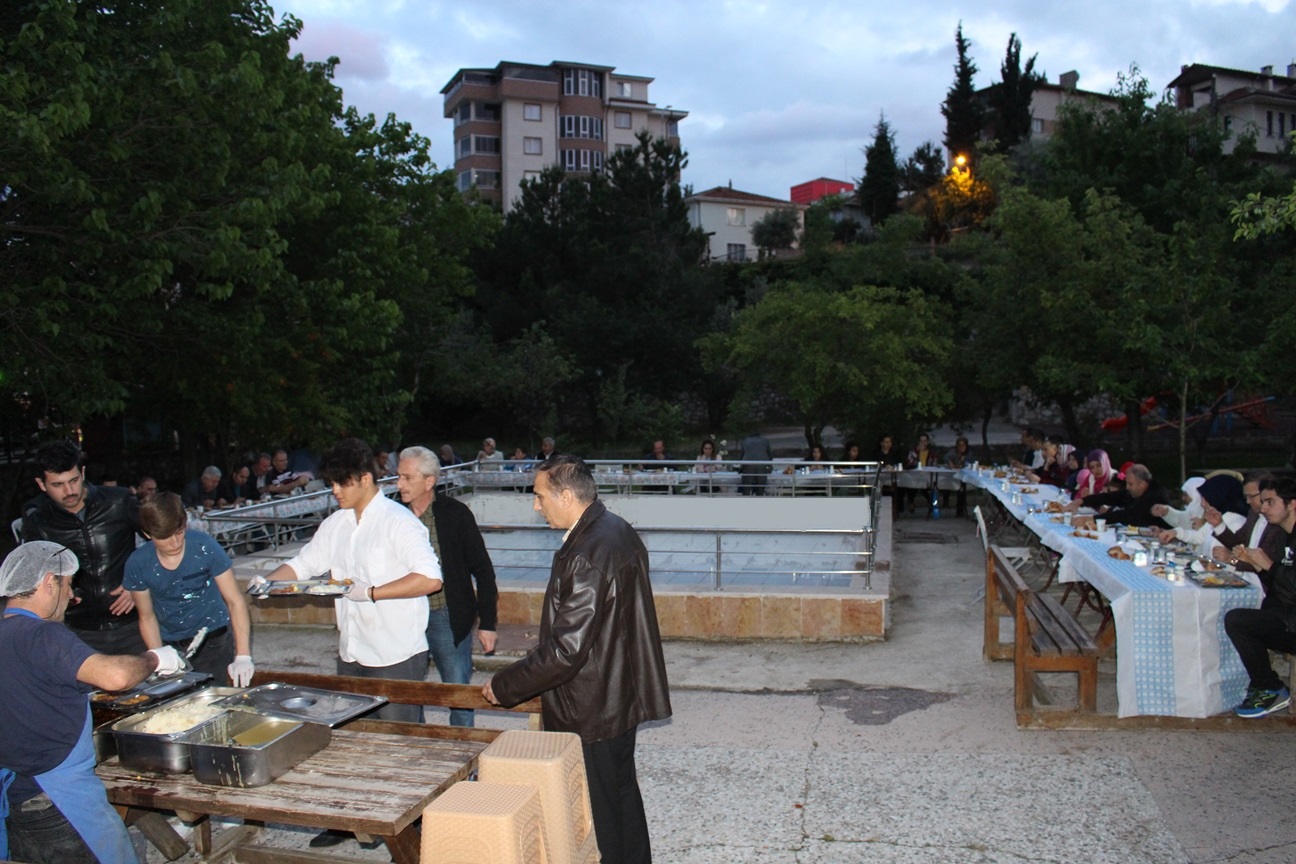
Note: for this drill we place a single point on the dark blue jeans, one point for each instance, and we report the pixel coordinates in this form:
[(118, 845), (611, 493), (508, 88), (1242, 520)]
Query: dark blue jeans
[(45, 836), (410, 669), (453, 663)]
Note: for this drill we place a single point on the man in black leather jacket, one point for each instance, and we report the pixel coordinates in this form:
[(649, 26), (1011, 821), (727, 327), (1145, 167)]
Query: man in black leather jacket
[(99, 525), (598, 665)]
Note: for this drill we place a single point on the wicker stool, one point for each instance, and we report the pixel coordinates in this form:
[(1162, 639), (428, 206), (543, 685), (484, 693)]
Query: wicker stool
[(484, 823), (554, 763)]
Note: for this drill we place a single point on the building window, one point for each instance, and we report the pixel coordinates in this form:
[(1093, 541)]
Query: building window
[(1282, 125), (487, 179), (1269, 117), (621, 119), (570, 160), (567, 128), (528, 176), (582, 82), (463, 113), (624, 148), (737, 216), (596, 161), (486, 144), (488, 111), (531, 111), (736, 252), (1037, 126), (1228, 125), (465, 181), (465, 146), (532, 146)]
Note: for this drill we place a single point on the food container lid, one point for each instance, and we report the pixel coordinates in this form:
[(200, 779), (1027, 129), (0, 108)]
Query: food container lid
[(149, 692), (328, 707)]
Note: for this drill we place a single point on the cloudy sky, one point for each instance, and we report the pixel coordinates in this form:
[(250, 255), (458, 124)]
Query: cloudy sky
[(779, 91)]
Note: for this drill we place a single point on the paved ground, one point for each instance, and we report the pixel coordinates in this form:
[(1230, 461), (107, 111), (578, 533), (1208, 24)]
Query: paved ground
[(906, 751)]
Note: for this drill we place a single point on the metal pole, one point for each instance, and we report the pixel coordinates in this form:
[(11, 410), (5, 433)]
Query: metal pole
[(717, 562)]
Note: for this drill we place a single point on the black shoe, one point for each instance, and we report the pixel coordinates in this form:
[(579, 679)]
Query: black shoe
[(329, 838)]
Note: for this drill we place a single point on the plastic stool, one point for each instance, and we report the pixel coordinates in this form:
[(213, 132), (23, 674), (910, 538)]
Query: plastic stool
[(484, 823), (554, 763)]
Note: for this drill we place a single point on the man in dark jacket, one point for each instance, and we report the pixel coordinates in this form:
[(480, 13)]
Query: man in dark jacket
[(99, 525), (458, 543), (1272, 627), (1130, 506), (598, 666)]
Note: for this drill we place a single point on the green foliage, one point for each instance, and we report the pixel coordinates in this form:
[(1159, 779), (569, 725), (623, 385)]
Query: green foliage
[(879, 189), (839, 354), (1010, 99), (195, 228), (963, 112), (923, 169), (776, 230)]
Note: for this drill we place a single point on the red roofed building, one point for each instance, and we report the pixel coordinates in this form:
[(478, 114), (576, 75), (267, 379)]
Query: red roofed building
[(726, 215), (812, 190)]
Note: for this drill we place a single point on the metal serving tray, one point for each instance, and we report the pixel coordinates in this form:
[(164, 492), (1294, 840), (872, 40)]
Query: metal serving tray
[(243, 749), (307, 704), (164, 753), (148, 692)]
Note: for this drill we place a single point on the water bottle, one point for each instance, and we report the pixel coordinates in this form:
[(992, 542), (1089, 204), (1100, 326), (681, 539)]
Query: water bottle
[(935, 504)]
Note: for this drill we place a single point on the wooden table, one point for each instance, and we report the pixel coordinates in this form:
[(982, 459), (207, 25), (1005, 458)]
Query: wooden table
[(365, 782)]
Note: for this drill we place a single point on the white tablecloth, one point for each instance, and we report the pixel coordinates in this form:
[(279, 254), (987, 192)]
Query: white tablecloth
[(1172, 655)]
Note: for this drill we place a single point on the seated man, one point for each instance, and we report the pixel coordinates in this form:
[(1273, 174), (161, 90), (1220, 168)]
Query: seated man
[(202, 492), (448, 456), (236, 488), (1257, 532), (282, 480), (1272, 627), (146, 488), (1131, 505)]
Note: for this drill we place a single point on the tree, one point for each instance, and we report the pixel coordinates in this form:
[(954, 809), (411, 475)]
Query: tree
[(837, 354), (923, 169), (776, 230), (963, 111), (197, 231), (1010, 99), (1257, 215), (879, 189)]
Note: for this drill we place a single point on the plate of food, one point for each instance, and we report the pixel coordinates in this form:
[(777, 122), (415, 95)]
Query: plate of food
[(1119, 554), (1030, 490), (1084, 535), (1221, 579), (295, 587)]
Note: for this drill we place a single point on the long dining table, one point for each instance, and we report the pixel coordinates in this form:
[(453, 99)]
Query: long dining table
[(1173, 657)]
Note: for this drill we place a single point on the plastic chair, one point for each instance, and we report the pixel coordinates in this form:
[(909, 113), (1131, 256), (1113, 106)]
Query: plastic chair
[(475, 822), (16, 527)]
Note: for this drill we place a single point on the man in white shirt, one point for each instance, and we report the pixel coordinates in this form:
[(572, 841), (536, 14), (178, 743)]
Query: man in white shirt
[(384, 550)]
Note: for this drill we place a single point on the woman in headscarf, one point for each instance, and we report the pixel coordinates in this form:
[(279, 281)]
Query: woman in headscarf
[(1095, 476), (1222, 506), (1054, 470)]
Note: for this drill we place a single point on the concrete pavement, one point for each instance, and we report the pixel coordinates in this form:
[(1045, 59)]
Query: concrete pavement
[(906, 751)]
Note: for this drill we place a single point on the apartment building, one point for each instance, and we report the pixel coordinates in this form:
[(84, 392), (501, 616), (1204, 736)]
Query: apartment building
[(513, 121), (1261, 102), (1046, 104)]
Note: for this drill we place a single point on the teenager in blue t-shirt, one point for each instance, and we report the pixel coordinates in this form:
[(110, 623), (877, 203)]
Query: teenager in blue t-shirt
[(182, 582)]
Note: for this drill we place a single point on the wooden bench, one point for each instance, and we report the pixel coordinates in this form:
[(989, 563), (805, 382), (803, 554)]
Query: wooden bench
[(1046, 638)]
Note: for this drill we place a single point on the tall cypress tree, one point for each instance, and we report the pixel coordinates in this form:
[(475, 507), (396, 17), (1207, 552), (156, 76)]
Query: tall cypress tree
[(1010, 100), (964, 113), (879, 190)]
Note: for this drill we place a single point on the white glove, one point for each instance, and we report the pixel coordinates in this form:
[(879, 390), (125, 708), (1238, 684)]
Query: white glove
[(169, 660), (240, 671), (359, 592)]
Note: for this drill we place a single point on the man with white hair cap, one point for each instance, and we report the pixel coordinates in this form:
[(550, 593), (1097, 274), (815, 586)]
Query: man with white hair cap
[(55, 808)]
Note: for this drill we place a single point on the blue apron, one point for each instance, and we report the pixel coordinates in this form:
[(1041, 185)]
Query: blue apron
[(79, 796)]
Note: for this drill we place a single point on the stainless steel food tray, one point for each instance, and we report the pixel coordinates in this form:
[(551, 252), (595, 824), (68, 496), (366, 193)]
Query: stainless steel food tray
[(308, 704), (164, 753), (149, 692), (243, 749)]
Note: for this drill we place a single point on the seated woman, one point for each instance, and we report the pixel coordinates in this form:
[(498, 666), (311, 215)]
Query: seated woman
[(1074, 467), (820, 459), (182, 583), (923, 455), (957, 457), (1096, 475), (1221, 505), (1054, 471), (851, 453), (488, 453), (707, 460), (885, 453)]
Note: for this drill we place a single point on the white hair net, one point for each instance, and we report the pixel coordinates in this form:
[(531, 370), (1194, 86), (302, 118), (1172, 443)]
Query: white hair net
[(24, 567)]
